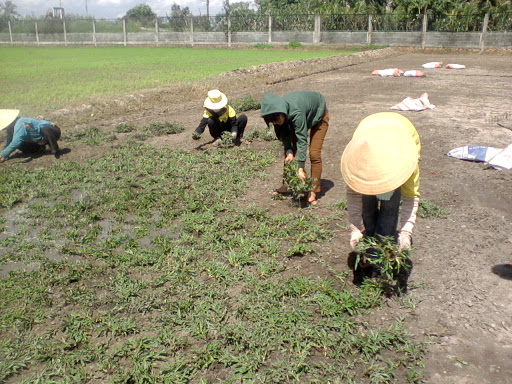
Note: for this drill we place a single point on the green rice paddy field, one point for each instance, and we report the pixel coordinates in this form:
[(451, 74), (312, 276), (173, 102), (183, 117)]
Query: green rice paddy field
[(46, 78)]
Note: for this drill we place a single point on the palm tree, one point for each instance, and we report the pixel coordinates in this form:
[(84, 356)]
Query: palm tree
[(8, 11)]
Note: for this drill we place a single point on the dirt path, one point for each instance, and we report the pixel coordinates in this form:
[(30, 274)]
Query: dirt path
[(462, 276)]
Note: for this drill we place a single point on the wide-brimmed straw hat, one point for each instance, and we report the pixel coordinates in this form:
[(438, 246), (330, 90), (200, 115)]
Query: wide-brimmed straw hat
[(7, 116), (382, 154), (215, 100)]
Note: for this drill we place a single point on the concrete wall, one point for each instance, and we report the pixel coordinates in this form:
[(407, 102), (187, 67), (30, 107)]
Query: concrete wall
[(454, 39), (284, 37), (397, 39), (499, 40), (492, 40), (249, 37), (348, 38)]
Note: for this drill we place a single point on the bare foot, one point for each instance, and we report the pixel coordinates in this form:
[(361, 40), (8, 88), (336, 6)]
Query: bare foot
[(312, 198)]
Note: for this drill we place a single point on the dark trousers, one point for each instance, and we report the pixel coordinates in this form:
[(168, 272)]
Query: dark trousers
[(380, 217), (216, 128), (50, 133)]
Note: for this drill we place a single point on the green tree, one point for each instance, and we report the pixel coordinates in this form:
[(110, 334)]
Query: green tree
[(141, 14), (245, 19), (180, 18)]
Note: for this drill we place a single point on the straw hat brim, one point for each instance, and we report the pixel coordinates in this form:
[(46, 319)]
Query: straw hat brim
[(379, 158), (218, 105), (7, 116)]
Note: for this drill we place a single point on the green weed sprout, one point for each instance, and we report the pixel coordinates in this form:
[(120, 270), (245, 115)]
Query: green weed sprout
[(383, 253), (429, 209), (296, 186)]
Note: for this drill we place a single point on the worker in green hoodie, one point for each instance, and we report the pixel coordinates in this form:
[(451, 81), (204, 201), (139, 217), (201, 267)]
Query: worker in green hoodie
[(294, 116)]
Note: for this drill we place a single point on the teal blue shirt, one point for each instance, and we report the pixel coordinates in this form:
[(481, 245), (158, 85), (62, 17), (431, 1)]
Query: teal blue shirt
[(25, 129)]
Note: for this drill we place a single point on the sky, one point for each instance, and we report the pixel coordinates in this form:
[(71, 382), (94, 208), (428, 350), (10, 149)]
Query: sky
[(110, 9)]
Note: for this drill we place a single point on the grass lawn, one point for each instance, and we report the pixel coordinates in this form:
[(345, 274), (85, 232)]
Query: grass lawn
[(47, 78), (140, 272)]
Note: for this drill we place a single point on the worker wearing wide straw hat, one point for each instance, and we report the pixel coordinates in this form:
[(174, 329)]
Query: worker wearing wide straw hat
[(380, 167), (220, 117), (26, 134)]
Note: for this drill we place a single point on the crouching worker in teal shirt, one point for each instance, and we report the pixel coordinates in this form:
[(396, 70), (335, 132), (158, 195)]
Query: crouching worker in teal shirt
[(27, 135)]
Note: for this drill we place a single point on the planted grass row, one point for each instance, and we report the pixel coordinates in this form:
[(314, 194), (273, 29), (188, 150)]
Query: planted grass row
[(174, 281)]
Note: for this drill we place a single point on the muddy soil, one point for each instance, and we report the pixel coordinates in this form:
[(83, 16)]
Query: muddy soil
[(461, 284)]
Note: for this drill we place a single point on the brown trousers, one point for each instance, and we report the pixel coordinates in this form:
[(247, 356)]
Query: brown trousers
[(316, 141)]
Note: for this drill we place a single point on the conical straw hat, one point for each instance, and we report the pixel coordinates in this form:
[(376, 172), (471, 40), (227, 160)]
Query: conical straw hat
[(382, 154), (7, 116)]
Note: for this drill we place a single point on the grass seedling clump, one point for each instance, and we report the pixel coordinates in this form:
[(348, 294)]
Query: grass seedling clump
[(226, 140), (298, 188), (265, 134), (92, 136), (124, 128), (389, 263), (293, 44), (159, 128), (244, 104)]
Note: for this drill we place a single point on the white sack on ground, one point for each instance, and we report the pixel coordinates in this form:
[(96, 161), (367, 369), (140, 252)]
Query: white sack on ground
[(455, 66), (410, 104), (433, 64)]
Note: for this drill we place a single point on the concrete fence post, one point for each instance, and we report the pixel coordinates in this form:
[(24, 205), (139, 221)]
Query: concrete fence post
[(156, 30), (483, 35), (229, 30), (269, 29), (94, 31), (370, 30), (65, 33), (424, 30), (125, 38), (317, 33), (10, 30), (37, 33), (192, 31)]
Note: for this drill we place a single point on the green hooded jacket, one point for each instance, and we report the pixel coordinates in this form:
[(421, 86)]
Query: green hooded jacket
[(303, 110)]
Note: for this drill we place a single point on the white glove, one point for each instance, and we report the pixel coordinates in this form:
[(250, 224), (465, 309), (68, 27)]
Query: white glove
[(355, 236), (233, 135), (404, 240)]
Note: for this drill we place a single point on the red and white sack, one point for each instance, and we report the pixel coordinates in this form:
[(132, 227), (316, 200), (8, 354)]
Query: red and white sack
[(414, 73), (389, 72)]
